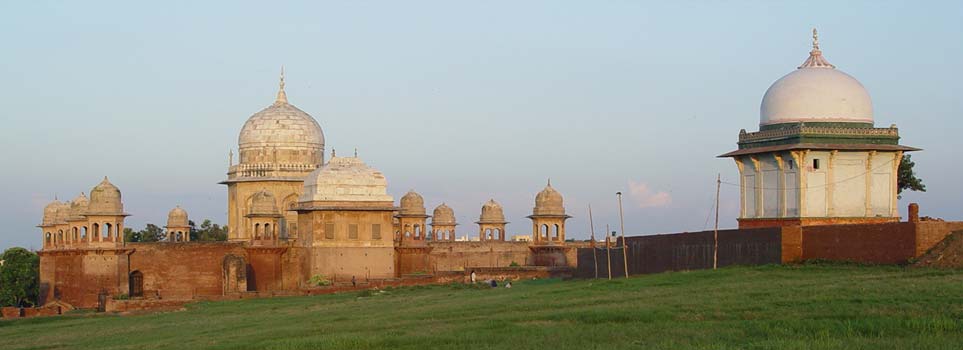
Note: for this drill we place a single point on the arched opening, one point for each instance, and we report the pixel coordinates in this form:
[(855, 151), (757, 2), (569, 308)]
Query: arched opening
[(60, 237), (558, 235), (83, 233), (96, 232), (257, 231), (106, 233), (488, 234), (47, 239), (179, 237), (499, 235), (136, 284), (407, 234), (543, 232), (417, 231), (75, 236), (268, 234)]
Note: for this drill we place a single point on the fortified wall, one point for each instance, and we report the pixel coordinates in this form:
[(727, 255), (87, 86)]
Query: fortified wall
[(881, 243)]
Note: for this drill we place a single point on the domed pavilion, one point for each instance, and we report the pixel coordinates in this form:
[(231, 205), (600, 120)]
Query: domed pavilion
[(277, 147), (817, 157)]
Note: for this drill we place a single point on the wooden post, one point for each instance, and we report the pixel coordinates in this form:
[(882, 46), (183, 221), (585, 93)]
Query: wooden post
[(715, 232), (625, 247), (595, 259), (608, 250)]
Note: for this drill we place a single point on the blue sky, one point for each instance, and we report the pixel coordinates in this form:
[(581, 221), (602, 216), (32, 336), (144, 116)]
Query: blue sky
[(461, 101)]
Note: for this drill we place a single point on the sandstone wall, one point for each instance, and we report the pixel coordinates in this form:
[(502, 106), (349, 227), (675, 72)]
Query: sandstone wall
[(457, 256)]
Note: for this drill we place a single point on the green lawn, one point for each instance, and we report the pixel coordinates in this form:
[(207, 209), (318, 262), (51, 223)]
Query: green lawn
[(786, 307)]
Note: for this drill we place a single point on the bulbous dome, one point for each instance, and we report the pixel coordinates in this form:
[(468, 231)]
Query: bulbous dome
[(264, 203), (492, 213), (177, 217), (78, 207), (55, 213), (346, 179), (412, 204), (443, 215), (548, 202), (105, 199), (281, 126), (816, 92)]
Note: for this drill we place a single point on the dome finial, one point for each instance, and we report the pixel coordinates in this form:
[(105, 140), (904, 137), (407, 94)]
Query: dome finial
[(356, 152), (333, 153), (815, 39), (282, 97), (549, 182), (816, 59)]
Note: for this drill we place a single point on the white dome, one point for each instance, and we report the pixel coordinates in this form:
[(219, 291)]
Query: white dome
[(346, 179), (816, 92), (281, 133), (281, 125)]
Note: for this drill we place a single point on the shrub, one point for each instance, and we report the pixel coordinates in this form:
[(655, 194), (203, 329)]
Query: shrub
[(121, 296), (319, 280), (514, 264)]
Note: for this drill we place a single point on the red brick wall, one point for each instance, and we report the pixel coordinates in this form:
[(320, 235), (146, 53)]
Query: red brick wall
[(182, 270), (77, 277), (887, 243)]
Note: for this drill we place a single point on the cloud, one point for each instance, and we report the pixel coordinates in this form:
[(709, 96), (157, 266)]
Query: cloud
[(645, 197)]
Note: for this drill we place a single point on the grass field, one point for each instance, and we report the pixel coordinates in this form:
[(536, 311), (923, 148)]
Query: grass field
[(787, 307)]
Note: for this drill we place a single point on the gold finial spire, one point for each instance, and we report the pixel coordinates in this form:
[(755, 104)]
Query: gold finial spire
[(815, 39), (356, 152), (282, 97)]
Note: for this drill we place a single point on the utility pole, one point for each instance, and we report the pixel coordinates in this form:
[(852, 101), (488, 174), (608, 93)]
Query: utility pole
[(715, 232), (625, 247), (608, 250), (595, 258)]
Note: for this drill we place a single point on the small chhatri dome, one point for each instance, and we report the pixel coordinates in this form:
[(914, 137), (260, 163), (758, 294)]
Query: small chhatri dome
[(105, 199), (548, 202), (412, 204), (78, 207), (177, 218), (491, 213), (55, 213), (280, 126), (816, 92), (263, 203), (443, 215), (346, 179)]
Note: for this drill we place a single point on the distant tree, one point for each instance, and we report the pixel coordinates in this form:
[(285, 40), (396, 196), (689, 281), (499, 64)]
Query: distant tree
[(130, 235), (193, 232), (906, 177), (19, 277), (209, 231), (152, 233)]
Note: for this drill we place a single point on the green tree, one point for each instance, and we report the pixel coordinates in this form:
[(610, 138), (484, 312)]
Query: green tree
[(906, 177), (19, 277), (209, 231), (152, 233), (130, 235)]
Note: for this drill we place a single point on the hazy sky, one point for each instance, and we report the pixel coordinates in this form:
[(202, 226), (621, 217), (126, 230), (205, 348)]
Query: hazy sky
[(461, 101)]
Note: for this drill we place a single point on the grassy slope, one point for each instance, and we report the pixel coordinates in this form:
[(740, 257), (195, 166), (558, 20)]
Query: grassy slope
[(801, 307)]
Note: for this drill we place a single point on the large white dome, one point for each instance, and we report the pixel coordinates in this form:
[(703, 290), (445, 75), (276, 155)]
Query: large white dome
[(281, 128), (816, 92)]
